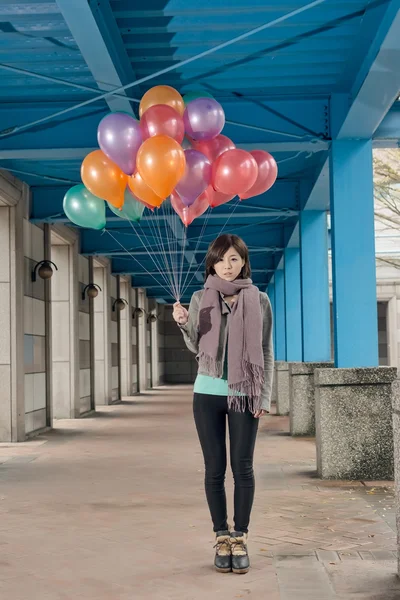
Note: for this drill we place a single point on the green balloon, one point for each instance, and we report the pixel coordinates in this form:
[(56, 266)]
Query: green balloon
[(194, 95), (84, 208), (132, 209)]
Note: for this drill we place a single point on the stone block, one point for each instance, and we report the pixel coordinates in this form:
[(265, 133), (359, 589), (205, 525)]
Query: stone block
[(282, 387), (354, 434), (396, 436), (302, 397)]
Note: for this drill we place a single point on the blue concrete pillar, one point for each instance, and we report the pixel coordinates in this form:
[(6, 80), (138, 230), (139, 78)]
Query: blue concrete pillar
[(294, 342), (315, 286), (353, 254), (280, 312), (271, 296)]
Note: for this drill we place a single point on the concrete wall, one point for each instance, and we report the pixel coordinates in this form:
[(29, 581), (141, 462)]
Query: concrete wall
[(13, 207), (180, 363)]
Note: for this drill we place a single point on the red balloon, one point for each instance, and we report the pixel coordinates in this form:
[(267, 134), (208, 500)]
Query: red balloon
[(217, 198), (189, 213), (162, 119), (267, 174), (215, 147), (234, 172)]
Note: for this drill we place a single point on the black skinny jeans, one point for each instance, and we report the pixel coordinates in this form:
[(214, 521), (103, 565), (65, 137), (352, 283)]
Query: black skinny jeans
[(210, 417)]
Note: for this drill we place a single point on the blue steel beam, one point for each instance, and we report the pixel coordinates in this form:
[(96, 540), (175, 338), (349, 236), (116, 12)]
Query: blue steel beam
[(25, 146), (75, 14), (93, 26), (98, 243), (47, 204), (373, 96), (377, 85), (79, 153)]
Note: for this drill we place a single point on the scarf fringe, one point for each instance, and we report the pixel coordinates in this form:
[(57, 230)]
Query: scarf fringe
[(243, 394), (251, 387), (210, 365)]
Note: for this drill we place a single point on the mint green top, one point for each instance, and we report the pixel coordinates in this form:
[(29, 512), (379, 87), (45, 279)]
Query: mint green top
[(205, 384)]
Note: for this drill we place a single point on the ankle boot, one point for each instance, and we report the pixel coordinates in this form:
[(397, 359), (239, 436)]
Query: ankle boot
[(240, 557), (222, 560)]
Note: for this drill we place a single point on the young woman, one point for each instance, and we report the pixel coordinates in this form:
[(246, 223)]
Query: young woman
[(229, 328)]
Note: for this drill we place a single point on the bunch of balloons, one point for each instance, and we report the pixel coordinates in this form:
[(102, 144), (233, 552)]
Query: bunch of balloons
[(141, 163)]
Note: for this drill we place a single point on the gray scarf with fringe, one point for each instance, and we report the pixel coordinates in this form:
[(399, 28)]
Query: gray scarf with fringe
[(245, 353)]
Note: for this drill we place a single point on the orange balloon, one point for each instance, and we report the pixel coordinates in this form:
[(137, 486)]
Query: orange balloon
[(162, 94), (103, 178), (161, 163), (143, 192)]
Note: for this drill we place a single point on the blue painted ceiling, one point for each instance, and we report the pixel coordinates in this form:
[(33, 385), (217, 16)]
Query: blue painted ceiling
[(281, 88)]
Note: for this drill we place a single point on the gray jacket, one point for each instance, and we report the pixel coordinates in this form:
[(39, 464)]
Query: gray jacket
[(191, 337)]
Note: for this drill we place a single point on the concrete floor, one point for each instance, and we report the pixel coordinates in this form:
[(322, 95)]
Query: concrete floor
[(112, 507)]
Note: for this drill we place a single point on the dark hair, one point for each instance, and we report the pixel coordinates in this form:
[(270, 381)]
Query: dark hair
[(220, 246)]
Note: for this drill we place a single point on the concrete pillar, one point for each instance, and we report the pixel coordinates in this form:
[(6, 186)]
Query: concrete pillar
[(354, 433), (86, 325), (143, 348), (302, 397), (161, 343), (153, 338), (13, 197), (37, 331), (135, 341), (126, 338), (65, 324), (102, 334), (282, 387), (114, 325)]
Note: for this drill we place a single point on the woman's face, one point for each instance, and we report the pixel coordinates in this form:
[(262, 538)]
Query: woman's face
[(230, 265)]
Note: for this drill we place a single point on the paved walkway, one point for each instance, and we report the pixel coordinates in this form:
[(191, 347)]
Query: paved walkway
[(113, 508)]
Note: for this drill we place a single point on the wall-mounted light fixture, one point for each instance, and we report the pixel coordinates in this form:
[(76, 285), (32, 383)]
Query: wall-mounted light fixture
[(139, 312), (91, 290), (119, 304), (43, 269)]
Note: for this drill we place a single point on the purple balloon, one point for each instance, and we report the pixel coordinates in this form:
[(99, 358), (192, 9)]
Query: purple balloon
[(197, 177), (204, 119), (120, 138)]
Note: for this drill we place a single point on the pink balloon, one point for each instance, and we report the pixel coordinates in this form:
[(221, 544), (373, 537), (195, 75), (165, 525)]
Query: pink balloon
[(217, 198), (196, 178), (162, 119), (234, 172), (215, 147), (189, 213), (267, 174)]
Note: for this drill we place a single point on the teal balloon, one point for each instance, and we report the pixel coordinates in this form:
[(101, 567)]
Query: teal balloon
[(84, 208), (131, 210), (194, 95)]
